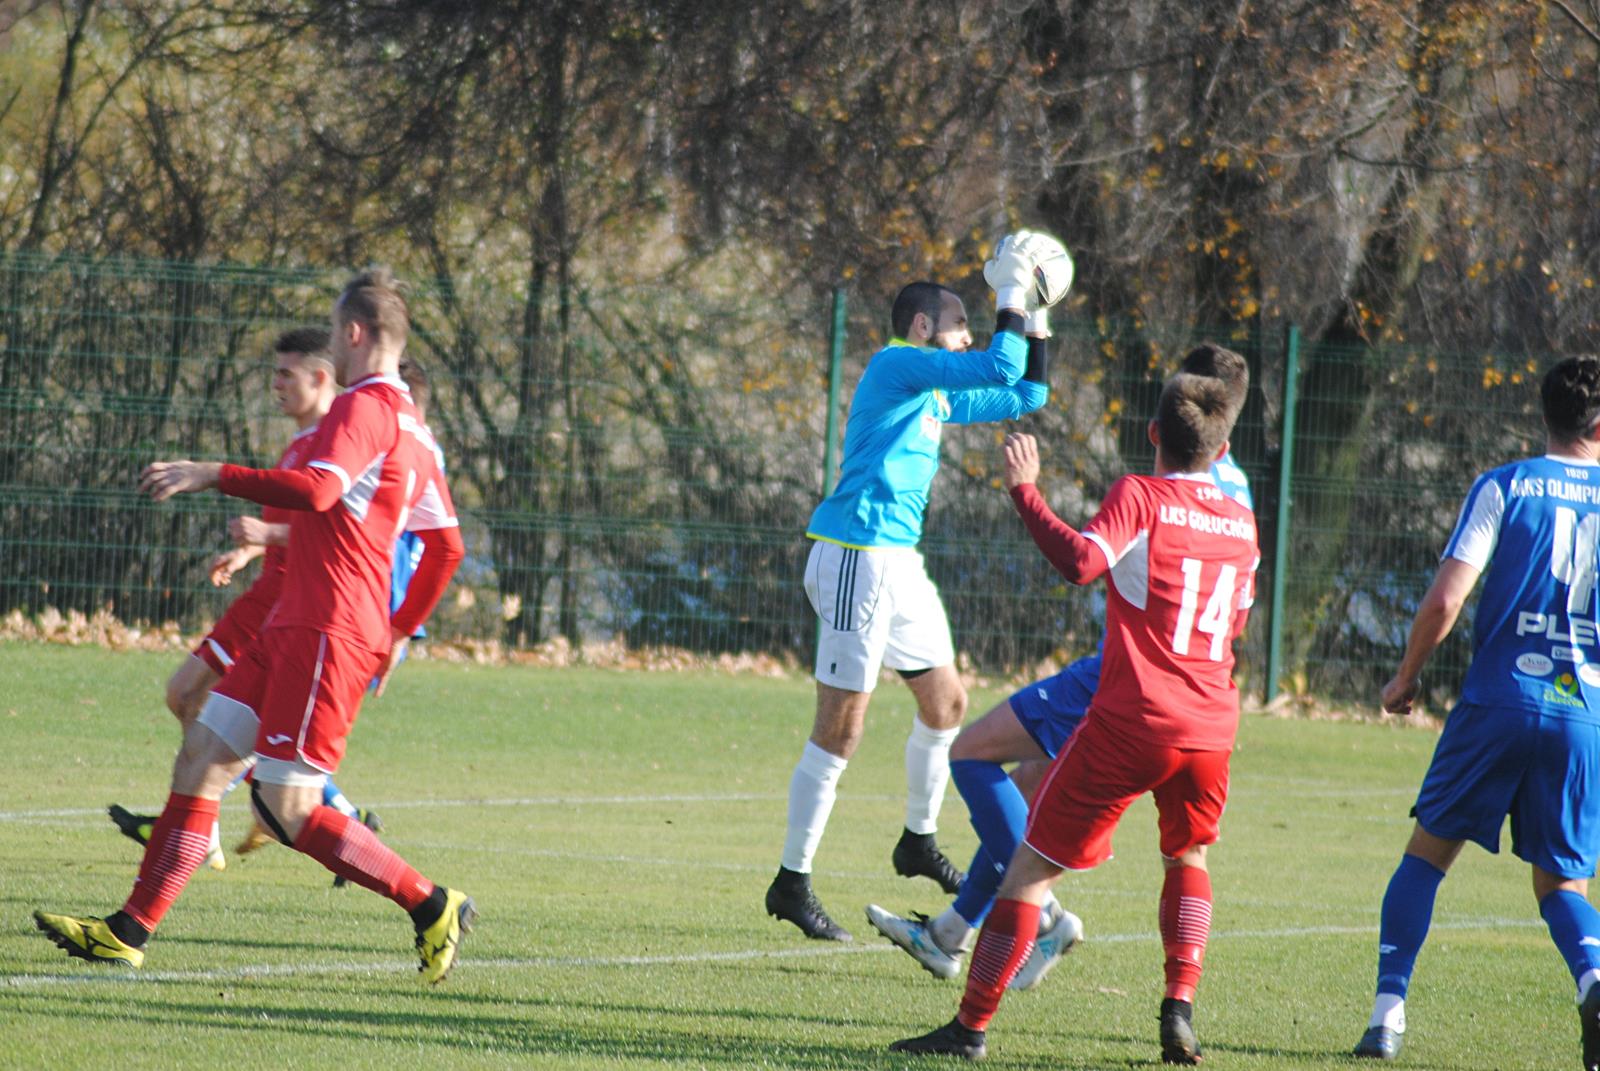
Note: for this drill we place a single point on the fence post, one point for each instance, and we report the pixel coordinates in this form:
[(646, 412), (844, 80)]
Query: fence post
[(835, 366), (1280, 551), (830, 448)]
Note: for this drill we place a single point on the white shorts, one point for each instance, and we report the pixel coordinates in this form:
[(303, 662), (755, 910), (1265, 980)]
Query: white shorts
[(878, 608)]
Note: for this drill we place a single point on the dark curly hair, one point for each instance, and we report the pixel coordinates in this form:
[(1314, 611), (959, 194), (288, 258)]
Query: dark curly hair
[(1571, 397)]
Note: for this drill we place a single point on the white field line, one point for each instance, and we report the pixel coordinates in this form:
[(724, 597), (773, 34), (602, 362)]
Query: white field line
[(44, 814), (98, 976), (26, 815)]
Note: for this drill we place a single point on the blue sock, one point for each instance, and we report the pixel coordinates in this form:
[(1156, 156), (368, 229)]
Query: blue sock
[(1407, 911), (976, 897), (332, 797), (1575, 928), (999, 815), (238, 779)]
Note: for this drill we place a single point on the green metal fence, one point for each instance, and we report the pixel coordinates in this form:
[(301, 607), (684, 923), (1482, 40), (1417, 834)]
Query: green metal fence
[(642, 466)]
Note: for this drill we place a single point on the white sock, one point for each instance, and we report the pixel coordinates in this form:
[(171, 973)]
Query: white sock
[(1050, 912), (811, 793), (1389, 1010), (927, 774), (216, 838), (951, 932), (1590, 977)]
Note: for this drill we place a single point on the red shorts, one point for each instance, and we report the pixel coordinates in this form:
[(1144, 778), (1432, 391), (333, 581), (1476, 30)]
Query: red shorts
[(239, 625), (1100, 772), (306, 687)]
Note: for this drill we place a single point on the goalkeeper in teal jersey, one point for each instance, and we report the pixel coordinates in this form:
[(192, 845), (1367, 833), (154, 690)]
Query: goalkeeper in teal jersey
[(864, 576)]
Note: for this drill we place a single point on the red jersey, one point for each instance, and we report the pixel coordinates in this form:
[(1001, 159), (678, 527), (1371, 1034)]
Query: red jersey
[(1182, 557), (273, 562), (374, 473)]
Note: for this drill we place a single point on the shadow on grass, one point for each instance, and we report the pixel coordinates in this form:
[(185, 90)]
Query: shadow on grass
[(448, 1031)]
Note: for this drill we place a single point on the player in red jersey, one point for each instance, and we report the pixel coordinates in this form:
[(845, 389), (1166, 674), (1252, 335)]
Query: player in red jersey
[(303, 384), (372, 472), (1181, 558)]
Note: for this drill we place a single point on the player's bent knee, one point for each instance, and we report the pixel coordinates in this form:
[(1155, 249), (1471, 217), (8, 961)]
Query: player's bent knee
[(205, 764), (284, 793)]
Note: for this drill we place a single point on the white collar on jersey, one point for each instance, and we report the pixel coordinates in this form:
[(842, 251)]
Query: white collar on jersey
[(303, 432), (1198, 477), (394, 381), (1583, 461)]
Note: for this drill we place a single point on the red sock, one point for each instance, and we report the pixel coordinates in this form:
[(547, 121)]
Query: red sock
[(350, 850), (1185, 924), (178, 844), (1002, 948)]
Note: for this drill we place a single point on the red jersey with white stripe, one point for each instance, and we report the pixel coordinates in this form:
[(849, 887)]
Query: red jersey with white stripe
[(339, 559), (1182, 558)]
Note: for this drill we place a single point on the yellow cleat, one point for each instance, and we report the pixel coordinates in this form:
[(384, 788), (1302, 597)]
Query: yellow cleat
[(438, 943), (87, 938), (256, 838)]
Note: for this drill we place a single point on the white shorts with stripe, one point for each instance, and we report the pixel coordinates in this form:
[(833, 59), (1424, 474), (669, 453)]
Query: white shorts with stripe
[(878, 608)]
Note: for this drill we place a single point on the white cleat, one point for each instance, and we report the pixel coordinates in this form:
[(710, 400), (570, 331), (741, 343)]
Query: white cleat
[(1055, 940), (914, 936)]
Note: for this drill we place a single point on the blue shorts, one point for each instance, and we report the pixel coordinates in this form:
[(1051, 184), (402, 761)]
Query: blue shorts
[(1051, 709), (1542, 771)]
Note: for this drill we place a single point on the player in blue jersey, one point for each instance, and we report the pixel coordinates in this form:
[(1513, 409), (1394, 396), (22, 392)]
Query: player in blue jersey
[(1029, 729), (1524, 738), (865, 577)]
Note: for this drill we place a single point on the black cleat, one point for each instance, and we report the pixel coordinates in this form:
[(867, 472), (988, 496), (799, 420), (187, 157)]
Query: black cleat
[(1178, 1044), (371, 820), (1589, 1015), (1381, 1043), (790, 898), (918, 856), (136, 827), (951, 1039)]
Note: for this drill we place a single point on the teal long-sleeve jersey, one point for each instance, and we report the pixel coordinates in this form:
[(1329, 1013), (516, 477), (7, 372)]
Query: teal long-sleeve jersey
[(897, 416)]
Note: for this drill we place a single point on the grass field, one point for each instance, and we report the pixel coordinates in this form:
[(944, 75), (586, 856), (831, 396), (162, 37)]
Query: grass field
[(618, 831)]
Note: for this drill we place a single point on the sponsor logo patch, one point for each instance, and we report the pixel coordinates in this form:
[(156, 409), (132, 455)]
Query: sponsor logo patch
[(1536, 665)]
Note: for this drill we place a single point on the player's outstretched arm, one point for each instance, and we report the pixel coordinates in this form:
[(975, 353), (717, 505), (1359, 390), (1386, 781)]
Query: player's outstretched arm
[(1074, 555), (163, 479), (1436, 616), (309, 488)]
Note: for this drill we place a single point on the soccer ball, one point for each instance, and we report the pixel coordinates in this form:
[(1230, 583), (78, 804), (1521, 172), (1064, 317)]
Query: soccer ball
[(1052, 267)]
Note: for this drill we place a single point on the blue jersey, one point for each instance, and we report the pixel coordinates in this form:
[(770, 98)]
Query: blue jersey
[(1533, 527), (407, 556), (891, 440), (1232, 481)]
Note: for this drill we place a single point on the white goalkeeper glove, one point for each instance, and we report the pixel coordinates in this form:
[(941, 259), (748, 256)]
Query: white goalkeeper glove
[(1009, 274), (1037, 324), (1051, 264)]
